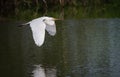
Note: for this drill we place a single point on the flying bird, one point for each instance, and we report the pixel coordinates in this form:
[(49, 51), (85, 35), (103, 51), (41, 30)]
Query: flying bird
[(38, 27)]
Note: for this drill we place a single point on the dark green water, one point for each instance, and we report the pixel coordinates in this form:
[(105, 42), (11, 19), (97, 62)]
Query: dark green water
[(81, 48)]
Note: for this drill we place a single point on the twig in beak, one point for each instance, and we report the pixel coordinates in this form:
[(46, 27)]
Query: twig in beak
[(56, 19)]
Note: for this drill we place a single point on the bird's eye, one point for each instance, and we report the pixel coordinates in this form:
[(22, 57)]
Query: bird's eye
[(43, 19)]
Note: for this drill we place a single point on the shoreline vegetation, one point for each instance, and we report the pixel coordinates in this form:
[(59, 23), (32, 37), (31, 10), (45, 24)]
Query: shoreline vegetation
[(29, 9)]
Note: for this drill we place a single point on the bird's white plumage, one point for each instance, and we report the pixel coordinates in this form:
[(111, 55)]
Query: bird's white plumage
[(38, 27), (38, 31), (50, 25), (51, 29)]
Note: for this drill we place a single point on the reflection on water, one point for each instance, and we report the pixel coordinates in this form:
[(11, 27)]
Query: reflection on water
[(81, 48), (40, 71), (51, 72)]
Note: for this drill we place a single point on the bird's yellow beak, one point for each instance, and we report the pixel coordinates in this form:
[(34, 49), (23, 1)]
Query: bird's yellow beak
[(56, 19)]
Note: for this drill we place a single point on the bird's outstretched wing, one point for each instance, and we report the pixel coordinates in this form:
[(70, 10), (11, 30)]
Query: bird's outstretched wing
[(51, 29), (38, 32)]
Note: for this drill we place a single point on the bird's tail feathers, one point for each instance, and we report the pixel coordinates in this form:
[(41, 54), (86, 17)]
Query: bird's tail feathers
[(21, 25)]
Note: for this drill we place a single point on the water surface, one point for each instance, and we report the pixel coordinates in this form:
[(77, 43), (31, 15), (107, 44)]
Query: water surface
[(81, 48)]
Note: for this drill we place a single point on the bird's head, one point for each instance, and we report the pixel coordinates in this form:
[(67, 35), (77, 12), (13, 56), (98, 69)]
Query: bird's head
[(49, 20)]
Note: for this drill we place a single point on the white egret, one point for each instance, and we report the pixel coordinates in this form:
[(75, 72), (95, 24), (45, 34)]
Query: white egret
[(38, 27)]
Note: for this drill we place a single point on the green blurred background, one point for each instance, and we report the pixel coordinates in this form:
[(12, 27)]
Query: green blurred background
[(29, 9)]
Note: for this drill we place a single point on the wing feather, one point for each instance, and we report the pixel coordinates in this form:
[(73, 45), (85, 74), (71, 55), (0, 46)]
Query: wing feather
[(38, 32), (51, 29)]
